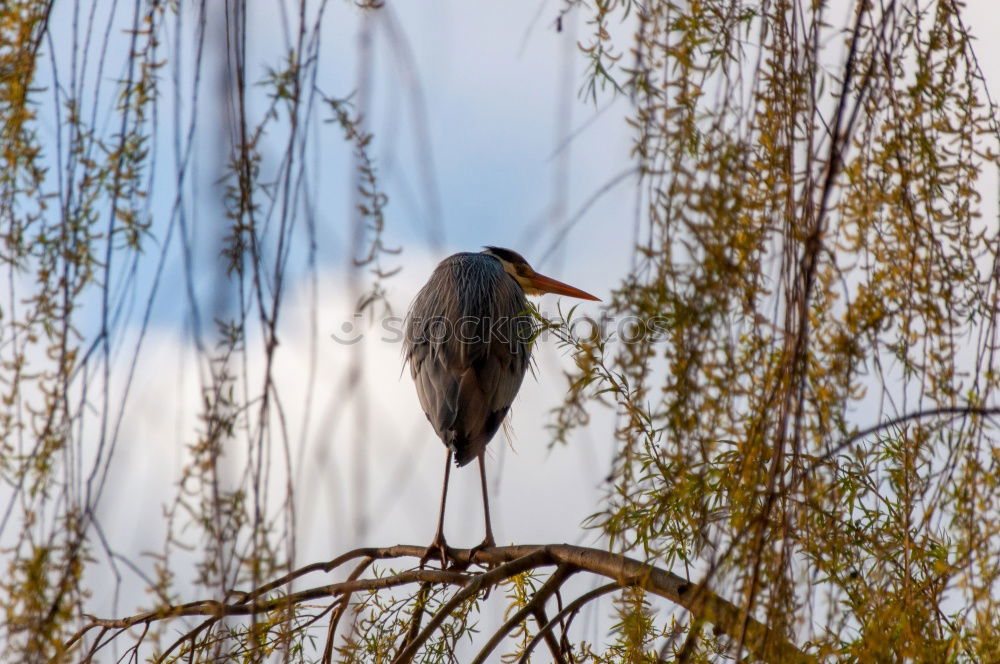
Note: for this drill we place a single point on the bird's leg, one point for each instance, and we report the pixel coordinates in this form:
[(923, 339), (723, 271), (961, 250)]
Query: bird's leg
[(439, 545), (488, 542)]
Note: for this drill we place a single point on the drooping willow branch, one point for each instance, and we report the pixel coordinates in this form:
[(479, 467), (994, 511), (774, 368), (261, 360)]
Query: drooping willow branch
[(503, 563)]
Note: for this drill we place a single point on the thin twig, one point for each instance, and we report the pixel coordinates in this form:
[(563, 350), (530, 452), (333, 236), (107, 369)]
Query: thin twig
[(539, 556), (550, 586), (190, 635), (331, 633), (418, 614), (539, 613), (569, 611)]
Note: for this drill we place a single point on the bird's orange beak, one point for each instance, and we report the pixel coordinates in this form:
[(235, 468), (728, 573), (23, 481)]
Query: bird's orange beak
[(543, 284)]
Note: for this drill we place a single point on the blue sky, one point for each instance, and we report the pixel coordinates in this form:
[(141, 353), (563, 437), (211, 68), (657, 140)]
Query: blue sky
[(469, 104)]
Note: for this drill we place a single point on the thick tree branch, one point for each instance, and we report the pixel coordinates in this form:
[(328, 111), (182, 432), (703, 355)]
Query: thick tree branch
[(700, 601)]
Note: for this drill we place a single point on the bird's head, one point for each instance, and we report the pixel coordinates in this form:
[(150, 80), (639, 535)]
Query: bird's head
[(530, 281)]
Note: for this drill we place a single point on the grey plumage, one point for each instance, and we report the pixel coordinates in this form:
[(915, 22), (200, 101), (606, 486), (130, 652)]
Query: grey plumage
[(468, 344)]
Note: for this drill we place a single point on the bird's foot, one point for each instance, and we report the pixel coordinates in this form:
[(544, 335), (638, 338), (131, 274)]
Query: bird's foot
[(439, 547), (487, 543)]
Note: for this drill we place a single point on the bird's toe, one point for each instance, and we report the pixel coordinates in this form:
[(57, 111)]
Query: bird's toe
[(487, 543), (437, 548)]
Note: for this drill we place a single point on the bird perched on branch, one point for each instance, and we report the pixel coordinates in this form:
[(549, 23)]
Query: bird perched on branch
[(468, 343)]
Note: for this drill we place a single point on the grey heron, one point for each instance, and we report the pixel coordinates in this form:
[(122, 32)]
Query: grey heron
[(468, 344)]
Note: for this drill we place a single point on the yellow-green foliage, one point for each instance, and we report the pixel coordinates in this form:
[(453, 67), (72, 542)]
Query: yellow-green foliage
[(815, 248)]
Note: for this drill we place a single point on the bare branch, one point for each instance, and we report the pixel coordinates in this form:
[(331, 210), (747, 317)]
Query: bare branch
[(538, 599), (331, 633), (569, 611), (703, 603)]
